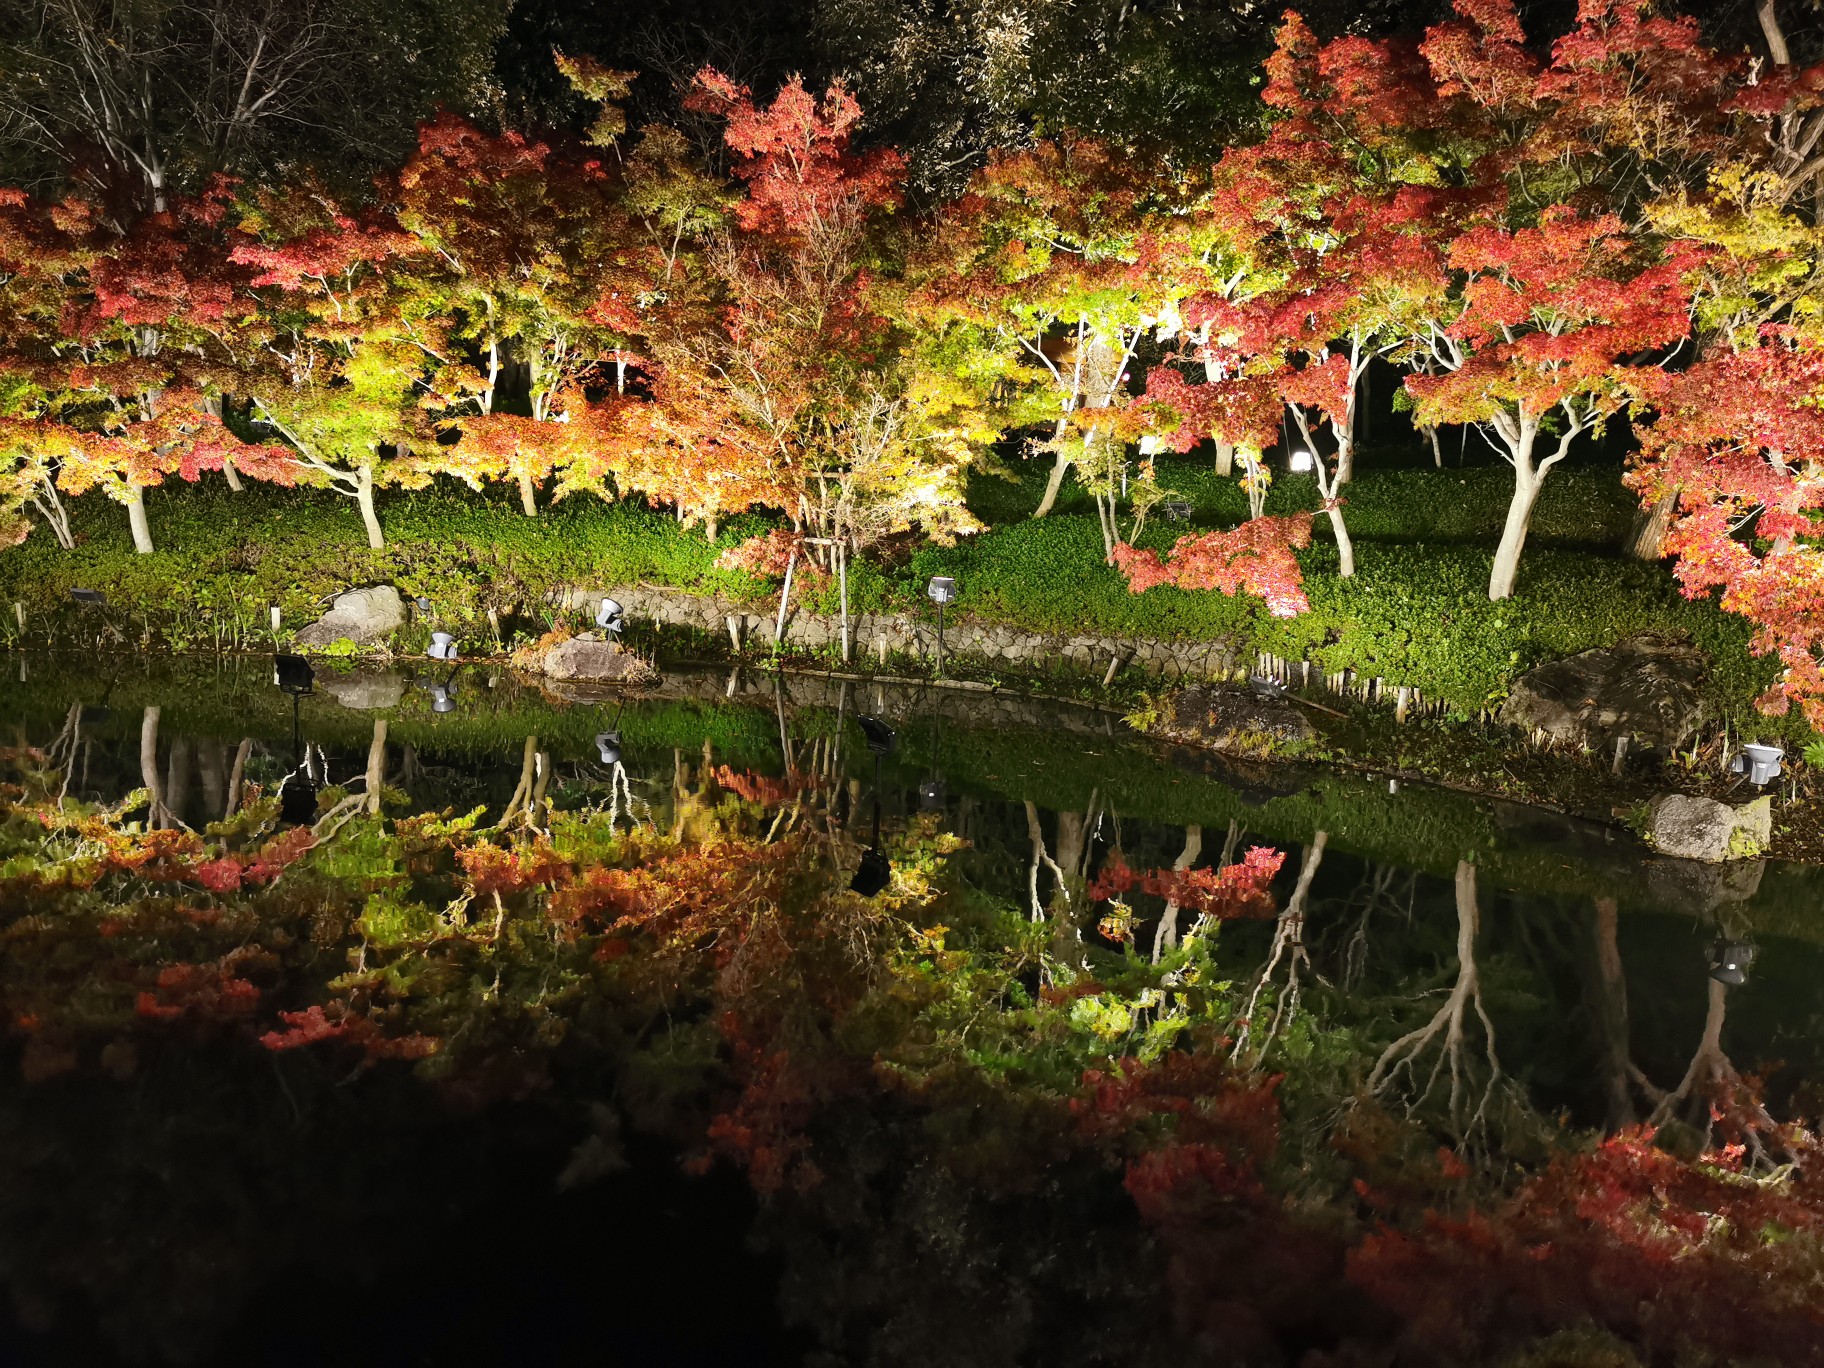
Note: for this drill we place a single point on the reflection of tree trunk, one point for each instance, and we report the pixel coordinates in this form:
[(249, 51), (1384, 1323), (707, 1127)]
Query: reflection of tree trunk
[(242, 752), (211, 768), (1072, 843), (1712, 1090), (376, 765), (528, 769), (1289, 949), (1606, 991), (148, 768), (176, 796), (1036, 833), (1449, 1022), (1166, 937)]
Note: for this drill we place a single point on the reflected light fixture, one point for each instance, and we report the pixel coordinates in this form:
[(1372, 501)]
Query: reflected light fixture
[(608, 747), (293, 674), (882, 739), (874, 874), (931, 794), (1729, 961)]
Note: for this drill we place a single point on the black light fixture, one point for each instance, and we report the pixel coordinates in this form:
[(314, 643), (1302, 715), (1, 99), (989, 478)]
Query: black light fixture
[(423, 605), (1176, 510), (941, 590), (94, 596), (610, 616), (1264, 687), (931, 794), (1729, 961), (442, 647)]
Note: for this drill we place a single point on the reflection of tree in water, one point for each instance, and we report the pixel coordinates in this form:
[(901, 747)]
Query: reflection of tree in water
[(984, 1138), (1472, 1074)]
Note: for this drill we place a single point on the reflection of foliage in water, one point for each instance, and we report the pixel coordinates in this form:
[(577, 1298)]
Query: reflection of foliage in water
[(938, 1072)]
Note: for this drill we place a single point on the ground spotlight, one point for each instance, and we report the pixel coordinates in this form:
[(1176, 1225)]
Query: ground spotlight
[(1301, 463), (610, 616), (1760, 763), (94, 596), (442, 647)]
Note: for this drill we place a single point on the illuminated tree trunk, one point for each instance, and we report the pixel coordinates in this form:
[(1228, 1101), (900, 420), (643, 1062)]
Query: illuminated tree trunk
[(1060, 464), (1513, 533), (528, 494), (1225, 459), (176, 795), (136, 519), (364, 500), (1648, 541)]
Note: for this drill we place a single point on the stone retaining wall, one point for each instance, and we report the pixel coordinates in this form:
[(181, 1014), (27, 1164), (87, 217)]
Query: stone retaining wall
[(898, 634)]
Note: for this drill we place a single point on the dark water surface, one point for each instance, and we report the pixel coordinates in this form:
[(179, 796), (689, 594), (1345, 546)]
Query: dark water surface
[(221, 1206)]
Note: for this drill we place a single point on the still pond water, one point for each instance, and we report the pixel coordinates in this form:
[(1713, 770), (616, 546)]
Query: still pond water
[(217, 1202)]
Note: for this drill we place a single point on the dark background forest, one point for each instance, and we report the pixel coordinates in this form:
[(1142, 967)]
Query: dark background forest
[(267, 88)]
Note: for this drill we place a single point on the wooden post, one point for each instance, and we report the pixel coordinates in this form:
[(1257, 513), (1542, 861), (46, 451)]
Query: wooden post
[(1621, 754), (734, 629), (1402, 700)]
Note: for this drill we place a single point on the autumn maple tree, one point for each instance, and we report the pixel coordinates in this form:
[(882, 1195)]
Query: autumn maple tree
[(330, 358)]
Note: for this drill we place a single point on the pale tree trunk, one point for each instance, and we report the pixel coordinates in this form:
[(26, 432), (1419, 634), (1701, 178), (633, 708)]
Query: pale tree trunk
[(1513, 533), (232, 475), (1437, 452), (1060, 463), (364, 500), (376, 766), (1648, 541), (528, 494), (1328, 485), (1225, 459), (136, 520)]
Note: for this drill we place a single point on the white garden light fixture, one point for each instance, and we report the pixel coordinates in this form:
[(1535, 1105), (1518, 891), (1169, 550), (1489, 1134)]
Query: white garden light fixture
[(442, 647), (1301, 463)]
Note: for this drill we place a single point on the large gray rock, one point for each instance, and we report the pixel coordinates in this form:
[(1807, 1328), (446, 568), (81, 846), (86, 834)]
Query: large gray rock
[(364, 690), (363, 616), (1646, 688), (1235, 721), (583, 658), (1704, 829)]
